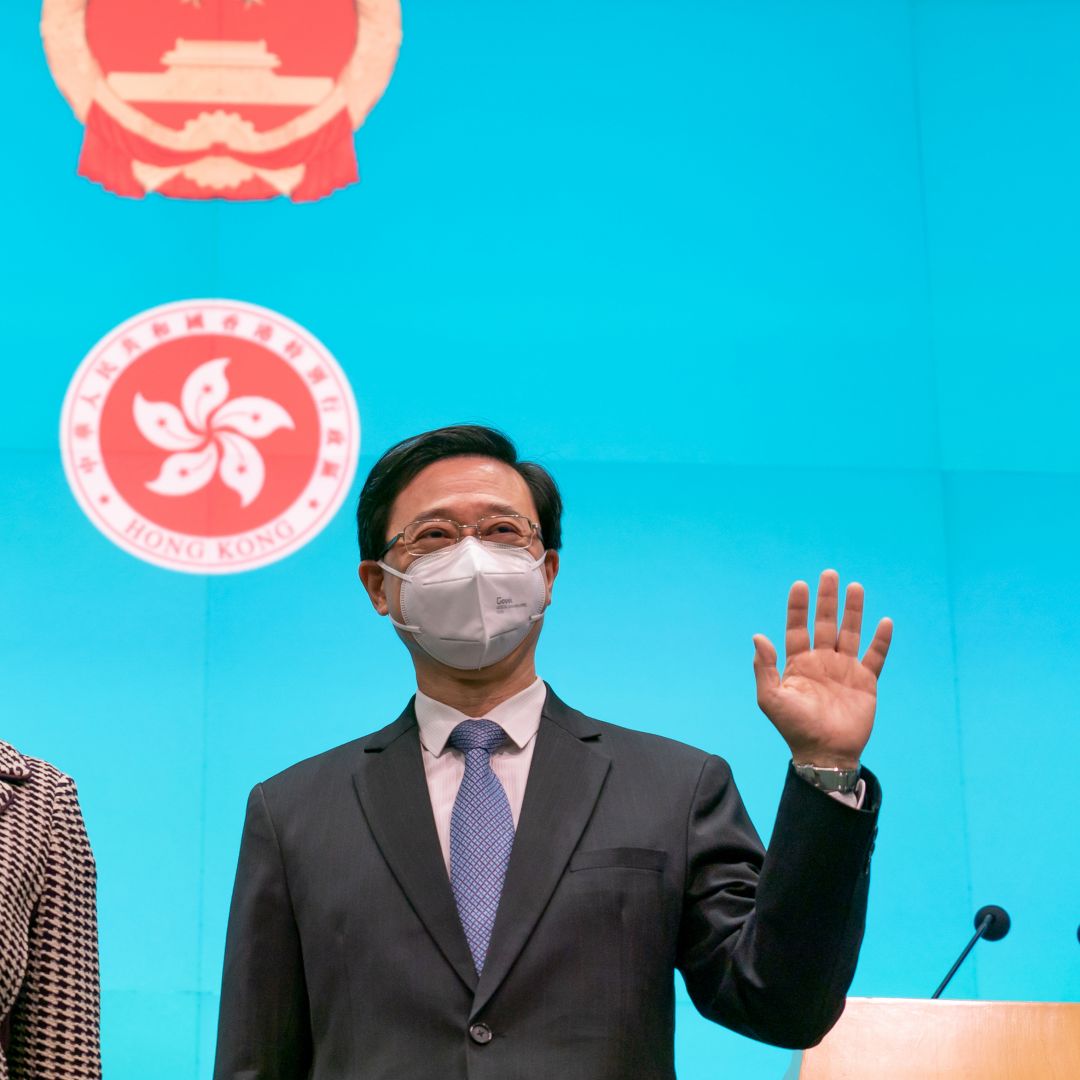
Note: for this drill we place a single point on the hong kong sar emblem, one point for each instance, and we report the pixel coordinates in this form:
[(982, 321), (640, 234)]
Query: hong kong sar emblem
[(209, 436), (234, 99)]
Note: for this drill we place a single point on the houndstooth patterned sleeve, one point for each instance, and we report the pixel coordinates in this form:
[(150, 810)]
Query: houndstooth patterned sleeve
[(56, 1017)]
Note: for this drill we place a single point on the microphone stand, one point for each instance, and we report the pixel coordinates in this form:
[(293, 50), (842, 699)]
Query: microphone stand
[(984, 924)]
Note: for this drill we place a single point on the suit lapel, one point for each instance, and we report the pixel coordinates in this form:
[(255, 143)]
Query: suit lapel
[(565, 778), (393, 793), (13, 766)]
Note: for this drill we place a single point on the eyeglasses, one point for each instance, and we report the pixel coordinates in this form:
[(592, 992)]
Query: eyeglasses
[(434, 534)]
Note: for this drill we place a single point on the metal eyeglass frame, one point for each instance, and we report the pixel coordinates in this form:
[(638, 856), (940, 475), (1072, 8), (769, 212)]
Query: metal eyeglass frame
[(534, 525)]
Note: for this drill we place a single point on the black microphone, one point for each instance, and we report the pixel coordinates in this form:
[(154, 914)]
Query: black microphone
[(992, 923)]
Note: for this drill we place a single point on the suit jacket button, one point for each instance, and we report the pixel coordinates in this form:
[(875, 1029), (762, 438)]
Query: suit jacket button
[(480, 1033)]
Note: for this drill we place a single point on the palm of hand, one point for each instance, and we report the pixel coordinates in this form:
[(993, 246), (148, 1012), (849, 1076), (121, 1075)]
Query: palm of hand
[(824, 705), (825, 697)]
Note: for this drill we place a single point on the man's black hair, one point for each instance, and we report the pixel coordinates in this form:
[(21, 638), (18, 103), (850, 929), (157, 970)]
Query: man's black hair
[(401, 463)]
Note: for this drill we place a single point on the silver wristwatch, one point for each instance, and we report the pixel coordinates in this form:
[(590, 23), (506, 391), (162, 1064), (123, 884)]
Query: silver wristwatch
[(829, 779)]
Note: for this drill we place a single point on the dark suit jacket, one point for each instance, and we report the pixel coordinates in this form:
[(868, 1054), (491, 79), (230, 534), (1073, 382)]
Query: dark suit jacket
[(634, 856)]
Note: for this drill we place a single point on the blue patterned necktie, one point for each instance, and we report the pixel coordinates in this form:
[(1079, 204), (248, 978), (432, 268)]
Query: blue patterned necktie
[(481, 835)]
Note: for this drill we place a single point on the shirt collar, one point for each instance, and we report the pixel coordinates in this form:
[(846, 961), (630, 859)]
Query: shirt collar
[(518, 716)]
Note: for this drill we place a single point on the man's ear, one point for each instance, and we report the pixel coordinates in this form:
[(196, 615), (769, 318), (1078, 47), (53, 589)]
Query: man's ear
[(374, 581), (551, 570)]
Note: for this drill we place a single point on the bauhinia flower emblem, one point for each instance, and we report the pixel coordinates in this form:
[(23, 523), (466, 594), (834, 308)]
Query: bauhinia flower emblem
[(209, 434)]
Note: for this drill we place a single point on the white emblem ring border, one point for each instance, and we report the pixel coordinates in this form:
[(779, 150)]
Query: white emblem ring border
[(112, 341)]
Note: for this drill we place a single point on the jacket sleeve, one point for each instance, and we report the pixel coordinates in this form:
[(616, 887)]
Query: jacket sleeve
[(55, 1022), (263, 1026), (769, 941)]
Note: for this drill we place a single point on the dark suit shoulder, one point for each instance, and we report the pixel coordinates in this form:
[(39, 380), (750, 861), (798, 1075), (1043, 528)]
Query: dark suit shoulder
[(630, 740), (339, 761), (627, 745)]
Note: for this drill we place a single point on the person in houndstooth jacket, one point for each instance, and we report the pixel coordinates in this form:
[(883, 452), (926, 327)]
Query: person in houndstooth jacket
[(49, 1008)]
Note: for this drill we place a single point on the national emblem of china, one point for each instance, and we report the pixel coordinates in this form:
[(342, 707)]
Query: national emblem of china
[(233, 99), (209, 436)]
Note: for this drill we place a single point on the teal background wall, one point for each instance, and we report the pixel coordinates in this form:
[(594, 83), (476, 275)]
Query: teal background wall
[(770, 286)]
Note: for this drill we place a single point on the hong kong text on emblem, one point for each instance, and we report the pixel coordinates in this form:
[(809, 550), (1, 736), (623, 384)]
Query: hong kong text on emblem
[(234, 99), (209, 436)]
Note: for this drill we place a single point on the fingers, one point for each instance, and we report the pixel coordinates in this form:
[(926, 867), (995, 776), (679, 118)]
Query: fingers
[(797, 636), (851, 627), (879, 647), (828, 596), (765, 673)]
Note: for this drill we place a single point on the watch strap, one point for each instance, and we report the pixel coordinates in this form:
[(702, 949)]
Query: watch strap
[(828, 778)]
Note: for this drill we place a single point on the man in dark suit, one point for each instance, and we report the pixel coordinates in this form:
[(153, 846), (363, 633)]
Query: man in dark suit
[(497, 887)]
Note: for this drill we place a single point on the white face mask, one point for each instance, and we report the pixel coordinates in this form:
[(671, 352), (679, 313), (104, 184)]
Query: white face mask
[(473, 603)]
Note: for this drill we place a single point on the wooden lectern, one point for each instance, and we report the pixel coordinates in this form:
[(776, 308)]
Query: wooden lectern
[(909, 1039)]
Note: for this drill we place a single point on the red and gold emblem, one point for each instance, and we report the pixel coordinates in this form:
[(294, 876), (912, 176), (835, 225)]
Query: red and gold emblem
[(234, 99), (210, 436)]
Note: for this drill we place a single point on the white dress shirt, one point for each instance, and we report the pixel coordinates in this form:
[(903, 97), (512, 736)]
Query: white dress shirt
[(444, 766), (519, 717)]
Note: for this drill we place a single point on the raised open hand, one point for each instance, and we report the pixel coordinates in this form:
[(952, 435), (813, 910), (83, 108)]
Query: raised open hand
[(824, 704)]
